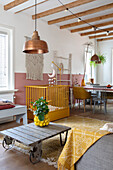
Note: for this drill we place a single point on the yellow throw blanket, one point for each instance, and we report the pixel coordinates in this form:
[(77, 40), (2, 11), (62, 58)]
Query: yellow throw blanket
[(77, 144)]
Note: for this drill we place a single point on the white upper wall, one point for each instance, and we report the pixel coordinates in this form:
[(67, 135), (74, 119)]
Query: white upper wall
[(58, 40), (104, 75), (22, 25), (63, 42)]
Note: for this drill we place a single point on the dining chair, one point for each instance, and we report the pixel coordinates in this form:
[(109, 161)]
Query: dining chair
[(80, 93), (109, 95), (101, 98)]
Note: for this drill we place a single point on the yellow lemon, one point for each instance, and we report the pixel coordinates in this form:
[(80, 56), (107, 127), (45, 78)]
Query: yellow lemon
[(47, 123), (35, 119), (46, 120), (35, 123), (44, 124), (41, 124)]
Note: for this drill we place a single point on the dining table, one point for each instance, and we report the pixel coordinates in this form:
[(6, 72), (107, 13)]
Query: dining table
[(100, 94), (98, 88)]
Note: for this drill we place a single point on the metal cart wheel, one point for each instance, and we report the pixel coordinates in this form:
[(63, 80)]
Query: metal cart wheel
[(36, 153), (8, 142), (35, 157)]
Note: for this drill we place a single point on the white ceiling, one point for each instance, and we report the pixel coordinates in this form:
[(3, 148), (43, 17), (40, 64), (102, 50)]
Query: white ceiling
[(55, 3)]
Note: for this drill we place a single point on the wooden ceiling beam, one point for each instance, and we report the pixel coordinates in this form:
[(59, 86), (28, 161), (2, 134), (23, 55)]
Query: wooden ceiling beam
[(80, 14), (98, 31), (87, 21), (105, 39), (31, 6), (89, 27), (101, 35), (61, 8), (14, 4)]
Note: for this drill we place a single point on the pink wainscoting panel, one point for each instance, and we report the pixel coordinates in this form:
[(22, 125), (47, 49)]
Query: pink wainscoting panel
[(20, 82)]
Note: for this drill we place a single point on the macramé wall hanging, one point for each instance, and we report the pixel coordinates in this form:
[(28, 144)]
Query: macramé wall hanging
[(34, 65)]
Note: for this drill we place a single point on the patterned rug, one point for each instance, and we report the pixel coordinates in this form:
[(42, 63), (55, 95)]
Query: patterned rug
[(51, 147)]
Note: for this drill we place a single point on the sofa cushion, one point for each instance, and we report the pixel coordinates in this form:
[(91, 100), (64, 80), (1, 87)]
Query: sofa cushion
[(99, 156), (6, 106)]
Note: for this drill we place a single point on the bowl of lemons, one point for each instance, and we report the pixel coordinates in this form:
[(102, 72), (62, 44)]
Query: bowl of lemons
[(40, 111)]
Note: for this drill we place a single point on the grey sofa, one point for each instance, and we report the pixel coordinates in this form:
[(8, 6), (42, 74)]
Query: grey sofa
[(99, 156)]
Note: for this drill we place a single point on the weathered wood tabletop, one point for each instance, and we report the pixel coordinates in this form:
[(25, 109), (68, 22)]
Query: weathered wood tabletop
[(30, 134)]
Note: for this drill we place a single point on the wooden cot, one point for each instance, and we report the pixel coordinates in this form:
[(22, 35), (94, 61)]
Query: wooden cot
[(57, 97)]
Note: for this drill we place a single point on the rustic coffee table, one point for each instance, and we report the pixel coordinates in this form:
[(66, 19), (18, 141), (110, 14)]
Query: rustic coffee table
[(33, 136)]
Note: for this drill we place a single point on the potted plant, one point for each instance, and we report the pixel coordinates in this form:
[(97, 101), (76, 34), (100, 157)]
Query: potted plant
[(40, 109), (102, 59)]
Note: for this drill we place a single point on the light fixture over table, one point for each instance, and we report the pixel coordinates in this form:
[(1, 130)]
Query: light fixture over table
[(35, 45), (95, 57)]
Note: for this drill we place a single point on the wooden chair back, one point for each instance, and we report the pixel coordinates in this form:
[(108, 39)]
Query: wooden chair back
[(81, 93)]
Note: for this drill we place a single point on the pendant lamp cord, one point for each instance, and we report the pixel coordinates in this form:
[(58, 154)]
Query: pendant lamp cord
[(95, 40), (35, 15)]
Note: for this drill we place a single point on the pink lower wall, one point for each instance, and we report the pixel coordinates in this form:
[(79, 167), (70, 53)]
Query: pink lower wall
[(21, 82)]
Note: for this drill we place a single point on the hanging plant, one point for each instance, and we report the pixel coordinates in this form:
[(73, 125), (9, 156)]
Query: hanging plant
[(102, 59)]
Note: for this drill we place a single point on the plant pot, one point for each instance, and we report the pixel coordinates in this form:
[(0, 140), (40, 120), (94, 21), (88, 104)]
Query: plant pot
[(45, 122)]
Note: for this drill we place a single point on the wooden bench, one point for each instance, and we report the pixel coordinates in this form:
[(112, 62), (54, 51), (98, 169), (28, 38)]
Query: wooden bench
[(20, 111), (33, 136)]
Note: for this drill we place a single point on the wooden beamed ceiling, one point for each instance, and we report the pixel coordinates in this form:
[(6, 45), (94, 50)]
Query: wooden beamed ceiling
[(104, 20), (105, 39), (14, 4), (80, 14), (90, 27), (87, 21), (100, 36), (31, 6), (98, 31), (61, 8)]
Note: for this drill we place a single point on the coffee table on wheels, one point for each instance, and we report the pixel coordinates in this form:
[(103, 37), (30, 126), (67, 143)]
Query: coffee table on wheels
[(33, 136)]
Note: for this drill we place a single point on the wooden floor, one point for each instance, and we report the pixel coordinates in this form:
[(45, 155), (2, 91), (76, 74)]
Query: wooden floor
[(99, 113), (15, 160)]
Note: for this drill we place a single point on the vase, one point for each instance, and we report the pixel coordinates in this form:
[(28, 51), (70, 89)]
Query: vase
[(83, 82), (45, 122), (92, 80)]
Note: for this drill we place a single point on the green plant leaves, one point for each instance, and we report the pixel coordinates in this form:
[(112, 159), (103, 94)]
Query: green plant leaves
[(41, 117), (41, 108), (102, 58), (92, 63)]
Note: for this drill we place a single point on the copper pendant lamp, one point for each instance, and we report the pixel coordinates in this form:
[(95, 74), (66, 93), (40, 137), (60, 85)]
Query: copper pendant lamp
[(35, 45), (95, 57)]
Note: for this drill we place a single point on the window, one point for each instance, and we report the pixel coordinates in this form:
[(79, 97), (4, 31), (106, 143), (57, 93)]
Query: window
[(90, 72), (112, 65), (3, 60), (6, 69)]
